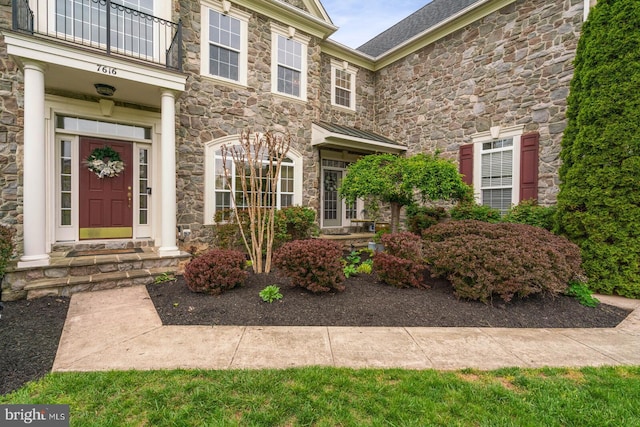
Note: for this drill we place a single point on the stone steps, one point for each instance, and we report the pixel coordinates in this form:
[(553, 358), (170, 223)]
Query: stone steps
[(350, 240), (68, 275)]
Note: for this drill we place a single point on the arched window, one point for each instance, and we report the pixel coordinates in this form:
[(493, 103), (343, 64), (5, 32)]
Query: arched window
[(218, 194)]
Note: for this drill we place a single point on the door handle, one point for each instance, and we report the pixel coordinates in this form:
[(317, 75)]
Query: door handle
[(129, 195)]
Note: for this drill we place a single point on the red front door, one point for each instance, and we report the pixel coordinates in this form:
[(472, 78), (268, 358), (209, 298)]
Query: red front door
[(106, 204)]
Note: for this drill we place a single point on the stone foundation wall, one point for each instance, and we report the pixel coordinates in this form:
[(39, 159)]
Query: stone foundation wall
[(511, 67)]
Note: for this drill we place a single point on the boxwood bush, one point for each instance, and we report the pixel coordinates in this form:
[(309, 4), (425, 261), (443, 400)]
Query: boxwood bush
[(312, 264), (483, 260), (216, 271)]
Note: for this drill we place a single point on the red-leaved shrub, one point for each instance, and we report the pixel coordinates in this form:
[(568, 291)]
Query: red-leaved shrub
[(401, 264), (399, 272), (403, 245), (482, 259), (215, 271), (312, 264)]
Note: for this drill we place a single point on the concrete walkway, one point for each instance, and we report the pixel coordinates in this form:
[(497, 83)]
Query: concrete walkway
[(119, 329)]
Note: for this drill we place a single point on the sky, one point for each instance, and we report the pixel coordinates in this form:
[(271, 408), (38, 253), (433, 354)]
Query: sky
[(361, 20)]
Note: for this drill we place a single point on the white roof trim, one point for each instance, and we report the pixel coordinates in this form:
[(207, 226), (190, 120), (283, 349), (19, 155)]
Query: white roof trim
[(321, 137)]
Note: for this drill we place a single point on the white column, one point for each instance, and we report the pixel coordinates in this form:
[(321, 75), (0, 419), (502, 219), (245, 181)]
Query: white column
[(34, 178), (168, 172)]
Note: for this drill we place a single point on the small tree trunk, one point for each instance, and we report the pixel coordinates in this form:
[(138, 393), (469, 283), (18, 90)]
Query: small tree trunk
[(395, 216)]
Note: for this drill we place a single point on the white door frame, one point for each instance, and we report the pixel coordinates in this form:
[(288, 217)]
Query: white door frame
[(90, 110)]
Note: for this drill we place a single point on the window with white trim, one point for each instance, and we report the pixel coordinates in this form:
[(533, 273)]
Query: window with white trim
[(343, 85), (289, 63), (224, 48), (218, 199), (497, 174), (496, 169), (87, 20)]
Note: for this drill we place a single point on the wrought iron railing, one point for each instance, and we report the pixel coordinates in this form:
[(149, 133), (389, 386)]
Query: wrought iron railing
[(105, 25)]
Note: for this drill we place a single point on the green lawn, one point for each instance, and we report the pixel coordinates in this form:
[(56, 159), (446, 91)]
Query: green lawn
[(344, 397)]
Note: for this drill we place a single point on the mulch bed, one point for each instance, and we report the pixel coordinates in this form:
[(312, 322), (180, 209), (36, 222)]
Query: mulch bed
[(29, 335), (368, 302), (30, 330)]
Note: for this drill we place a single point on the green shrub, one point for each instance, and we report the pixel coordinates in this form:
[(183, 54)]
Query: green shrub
[(599, 201), (312, 264), (399, 272), (420, 218), (226, 231), (6, 248), (215, 271), (529, 212), (482, 259), (472, 210), (295, 223), (583, 294)]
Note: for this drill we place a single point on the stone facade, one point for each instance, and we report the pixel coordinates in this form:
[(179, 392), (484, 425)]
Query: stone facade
[(11, 125), (511, 67)]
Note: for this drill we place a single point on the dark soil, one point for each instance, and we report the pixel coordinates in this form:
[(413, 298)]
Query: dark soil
[(29, 335), (368, 302), (30, 330)]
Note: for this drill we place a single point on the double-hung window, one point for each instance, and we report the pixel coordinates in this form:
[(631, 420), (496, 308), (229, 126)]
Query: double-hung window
[(224, 45), (502, 166), (289, 63), (496, 184), (343, 85)]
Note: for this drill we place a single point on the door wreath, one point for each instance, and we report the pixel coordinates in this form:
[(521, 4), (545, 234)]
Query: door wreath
[(105, 162)]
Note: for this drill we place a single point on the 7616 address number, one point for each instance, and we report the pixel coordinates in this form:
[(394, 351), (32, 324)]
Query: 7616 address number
[(105, 69)]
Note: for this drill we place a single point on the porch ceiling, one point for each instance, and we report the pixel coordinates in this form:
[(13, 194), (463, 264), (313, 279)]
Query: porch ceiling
[(344, 137)]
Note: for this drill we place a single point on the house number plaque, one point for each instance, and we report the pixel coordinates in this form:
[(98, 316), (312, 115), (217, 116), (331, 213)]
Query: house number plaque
[(105, 69)]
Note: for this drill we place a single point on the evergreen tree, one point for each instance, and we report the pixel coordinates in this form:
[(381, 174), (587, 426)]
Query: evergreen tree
[(599, 199)]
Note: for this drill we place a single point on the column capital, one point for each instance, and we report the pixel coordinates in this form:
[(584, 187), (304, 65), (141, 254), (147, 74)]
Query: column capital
[(168, 92), (34, 65)]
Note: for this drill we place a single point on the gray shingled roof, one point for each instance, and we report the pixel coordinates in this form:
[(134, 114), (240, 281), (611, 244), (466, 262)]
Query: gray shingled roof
[(355, 133), (425, 18)]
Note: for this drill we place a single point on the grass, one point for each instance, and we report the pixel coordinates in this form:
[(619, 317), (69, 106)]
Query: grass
[(332, 396)]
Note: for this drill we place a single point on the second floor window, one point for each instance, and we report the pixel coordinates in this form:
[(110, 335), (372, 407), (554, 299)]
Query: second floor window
[(130, 31), (289, 66), (343, 85), (289, 63), (224, 46)]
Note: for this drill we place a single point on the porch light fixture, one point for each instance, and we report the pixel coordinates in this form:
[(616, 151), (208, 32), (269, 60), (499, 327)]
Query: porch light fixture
[(104, 89)]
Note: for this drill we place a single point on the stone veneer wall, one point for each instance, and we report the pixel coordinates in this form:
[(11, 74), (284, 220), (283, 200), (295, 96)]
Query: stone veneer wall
[(210, 109), (511, 67), (11, 136)]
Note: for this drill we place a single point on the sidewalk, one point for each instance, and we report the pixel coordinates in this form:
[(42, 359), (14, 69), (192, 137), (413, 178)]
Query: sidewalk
[(119, 329)]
